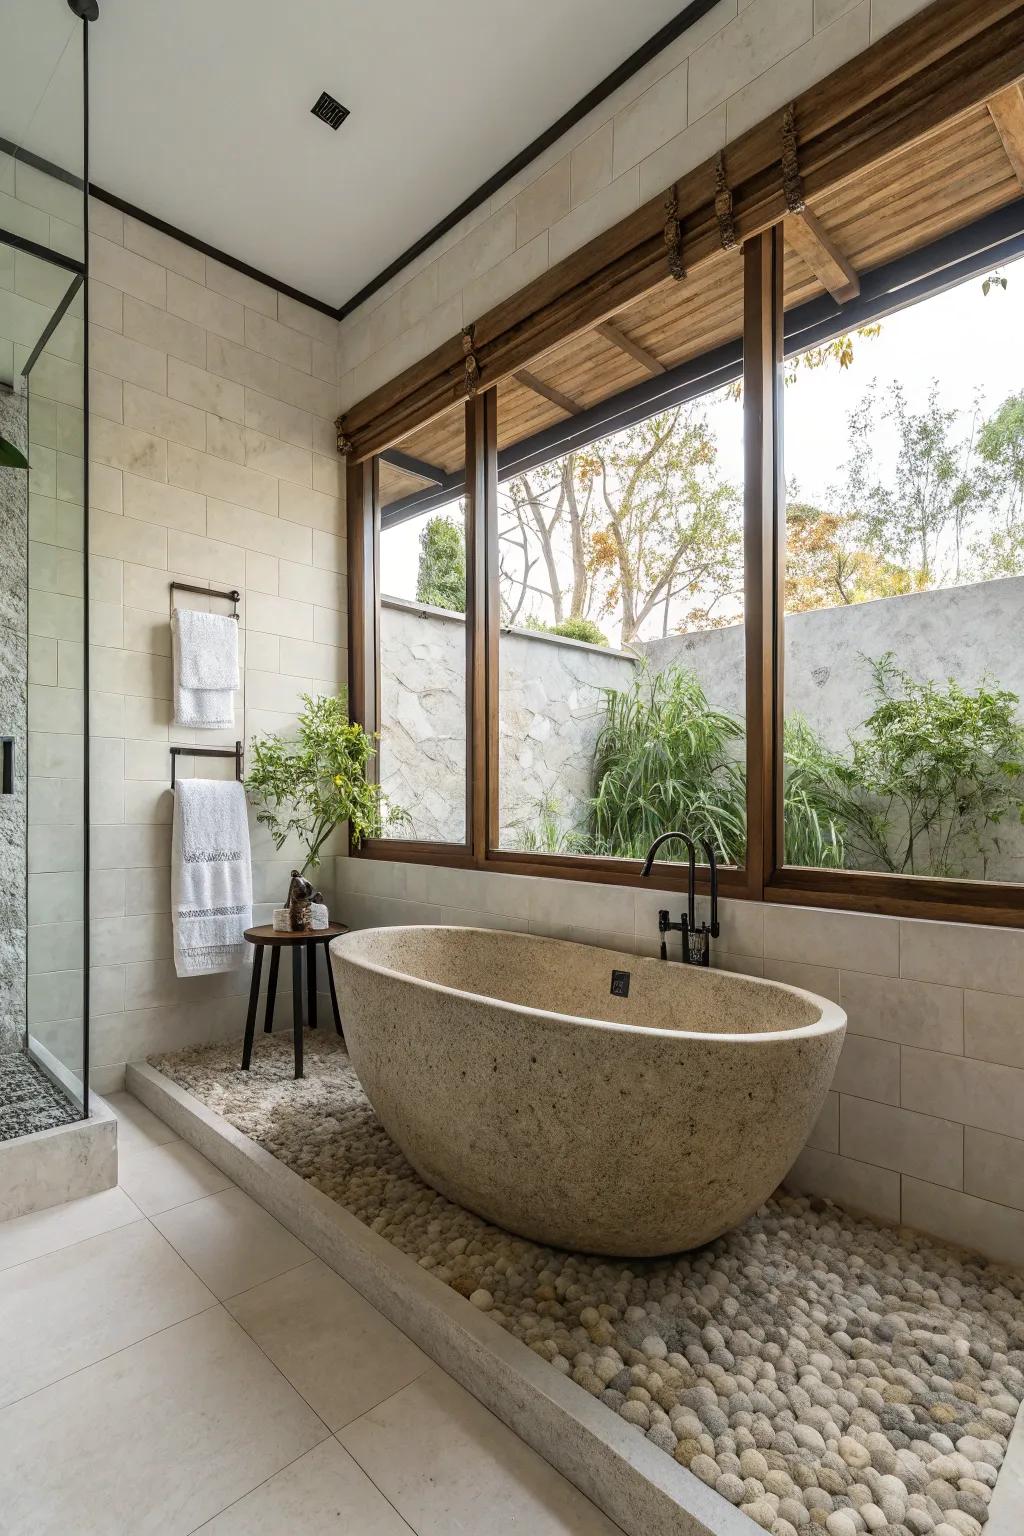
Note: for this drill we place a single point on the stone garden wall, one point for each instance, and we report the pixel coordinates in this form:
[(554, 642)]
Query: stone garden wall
[(551, 707)]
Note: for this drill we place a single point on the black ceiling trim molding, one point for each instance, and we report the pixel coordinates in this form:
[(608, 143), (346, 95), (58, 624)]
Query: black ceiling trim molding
[(686, 18), (58, 172), (209, 250)]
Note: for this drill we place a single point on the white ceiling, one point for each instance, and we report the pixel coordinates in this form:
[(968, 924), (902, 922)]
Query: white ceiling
[(201, 114)]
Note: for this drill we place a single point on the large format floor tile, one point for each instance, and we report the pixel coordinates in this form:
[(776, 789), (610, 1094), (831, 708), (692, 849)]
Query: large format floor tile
[(137, 1126), (324, 1493), (336, 1349), (447, 1464), (153, 1441), (68, 1309), (230, 1241), (27, 1237), (159, 1178)]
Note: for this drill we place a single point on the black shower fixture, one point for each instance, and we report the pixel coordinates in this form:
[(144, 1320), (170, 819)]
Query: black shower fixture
[(327, 110)]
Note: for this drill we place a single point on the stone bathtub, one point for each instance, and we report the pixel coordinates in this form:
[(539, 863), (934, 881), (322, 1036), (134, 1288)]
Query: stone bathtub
[(517, 1084)]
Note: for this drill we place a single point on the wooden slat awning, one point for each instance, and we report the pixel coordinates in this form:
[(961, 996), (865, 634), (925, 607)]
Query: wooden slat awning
[(885, 132)]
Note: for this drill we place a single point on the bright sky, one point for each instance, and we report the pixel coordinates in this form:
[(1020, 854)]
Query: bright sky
[(965, 339)]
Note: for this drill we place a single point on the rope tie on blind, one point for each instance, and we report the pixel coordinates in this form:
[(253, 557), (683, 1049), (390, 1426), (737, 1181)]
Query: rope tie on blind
[(674, 236), (792, 181), (345, 443), (723, 206), (471, 364)]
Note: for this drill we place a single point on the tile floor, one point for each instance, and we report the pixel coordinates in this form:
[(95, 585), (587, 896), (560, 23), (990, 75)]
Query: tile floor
[(172, 1360)]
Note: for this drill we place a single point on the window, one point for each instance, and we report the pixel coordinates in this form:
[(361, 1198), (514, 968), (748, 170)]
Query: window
[(904, 585), (423, 642), (739, 550)]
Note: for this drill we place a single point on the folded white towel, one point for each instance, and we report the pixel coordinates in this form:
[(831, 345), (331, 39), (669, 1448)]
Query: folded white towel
[(211, 876), (205, 666)]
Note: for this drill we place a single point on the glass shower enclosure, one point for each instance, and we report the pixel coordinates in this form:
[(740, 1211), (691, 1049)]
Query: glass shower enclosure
[(44, 873)]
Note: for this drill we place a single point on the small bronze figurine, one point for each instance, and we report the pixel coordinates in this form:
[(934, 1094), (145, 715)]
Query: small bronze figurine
[(300, 893)]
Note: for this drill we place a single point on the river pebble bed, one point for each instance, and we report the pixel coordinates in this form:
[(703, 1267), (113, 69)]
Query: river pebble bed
[(822, 1372)]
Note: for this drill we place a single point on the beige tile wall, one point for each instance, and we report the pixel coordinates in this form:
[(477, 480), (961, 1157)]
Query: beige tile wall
[(733, 67), (213, 460), (925, 1120)]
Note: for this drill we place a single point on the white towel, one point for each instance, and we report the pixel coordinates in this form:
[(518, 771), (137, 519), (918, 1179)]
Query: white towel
[(205, 649), (211, 876)]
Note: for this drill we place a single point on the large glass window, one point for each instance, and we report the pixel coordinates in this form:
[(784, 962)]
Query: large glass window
[(904, 587), (423, 642)]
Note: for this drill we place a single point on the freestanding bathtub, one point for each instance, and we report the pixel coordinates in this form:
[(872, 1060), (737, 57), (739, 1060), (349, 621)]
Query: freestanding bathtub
[(520, 1085)]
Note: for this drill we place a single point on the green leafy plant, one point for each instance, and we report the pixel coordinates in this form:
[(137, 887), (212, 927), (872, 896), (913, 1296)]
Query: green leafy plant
[(815, 829), (441, 575), (547, 834), (310, 783), (572, 628), (933, 775), (665, 759), (11, 457)]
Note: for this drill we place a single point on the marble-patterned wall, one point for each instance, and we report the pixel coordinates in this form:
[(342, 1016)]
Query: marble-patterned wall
[(13, 717)]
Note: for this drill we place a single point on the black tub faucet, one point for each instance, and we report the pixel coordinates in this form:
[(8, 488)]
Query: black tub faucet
[(696, 940)]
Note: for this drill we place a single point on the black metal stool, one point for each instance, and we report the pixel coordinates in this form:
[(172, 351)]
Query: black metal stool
[(268, 937)]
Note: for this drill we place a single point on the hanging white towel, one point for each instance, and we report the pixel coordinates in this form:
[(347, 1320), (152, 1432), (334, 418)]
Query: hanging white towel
[(211, 876), (205, 665)]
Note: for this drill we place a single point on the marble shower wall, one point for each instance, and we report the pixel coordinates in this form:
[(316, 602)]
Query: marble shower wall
[(13, 718)]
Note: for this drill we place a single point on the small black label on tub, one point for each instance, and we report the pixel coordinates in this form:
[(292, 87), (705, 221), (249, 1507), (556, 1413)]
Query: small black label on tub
[(620, 983)]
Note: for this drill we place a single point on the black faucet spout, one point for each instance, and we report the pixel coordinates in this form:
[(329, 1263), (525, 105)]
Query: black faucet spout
[(659, 842), (689, 926)]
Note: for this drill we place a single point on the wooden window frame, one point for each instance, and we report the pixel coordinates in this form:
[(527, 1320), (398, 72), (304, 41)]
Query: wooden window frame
[(886, 99), (764, 877)]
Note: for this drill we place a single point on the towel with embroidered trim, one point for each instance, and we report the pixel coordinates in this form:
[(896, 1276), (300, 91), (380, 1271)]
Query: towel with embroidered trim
[(211, 876)]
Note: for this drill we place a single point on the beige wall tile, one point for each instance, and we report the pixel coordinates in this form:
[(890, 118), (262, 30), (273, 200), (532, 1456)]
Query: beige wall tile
[(994, 1028), (106, 221), (105, 305), (316, 396), (328, 589), (123, 269), (994, 1230), (106, 396), (212, 311), (243, 366), (542, 202), (828, 11), (259, 532), (278, 420), (899, 1138), (206, 391), (112, 353), (860, 1186), (818, 57), (683, 153), (994, 1167), (225, 439), (909, 1012), (245, 290), (992, 960), (484, 247), (277, 458), (300, 317), (591, 165), (189, 555), (763, 34), (164, 417), (870, 1069), (825, 1135), (164, 249), (612, 203), (260, 574), (886, 14), (848, 940), (165, 332), (153, 502), (217, 477), (505, 278), (329, 551), (278, 341), (979, 1093), (416, 299), (650, 120), (281, 616), (128, 448), (312, 508)]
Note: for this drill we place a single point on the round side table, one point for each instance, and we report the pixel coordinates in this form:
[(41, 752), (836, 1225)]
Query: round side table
[(270, 938)]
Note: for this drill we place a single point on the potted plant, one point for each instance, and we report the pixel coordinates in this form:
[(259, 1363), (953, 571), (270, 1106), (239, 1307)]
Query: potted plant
[(310, 782)]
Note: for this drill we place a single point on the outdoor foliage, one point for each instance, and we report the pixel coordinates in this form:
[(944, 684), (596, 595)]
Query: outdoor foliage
[(310, 783), (572, 629), (930, 780), (441, 576)]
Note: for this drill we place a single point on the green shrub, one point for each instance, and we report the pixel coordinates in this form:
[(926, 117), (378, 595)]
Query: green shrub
[(573, 628)]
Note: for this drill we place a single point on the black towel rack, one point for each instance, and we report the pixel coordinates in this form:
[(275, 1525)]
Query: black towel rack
[(232, 596), (235, 752)]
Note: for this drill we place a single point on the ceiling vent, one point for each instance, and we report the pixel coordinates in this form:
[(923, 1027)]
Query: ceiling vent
[(329, 111)]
